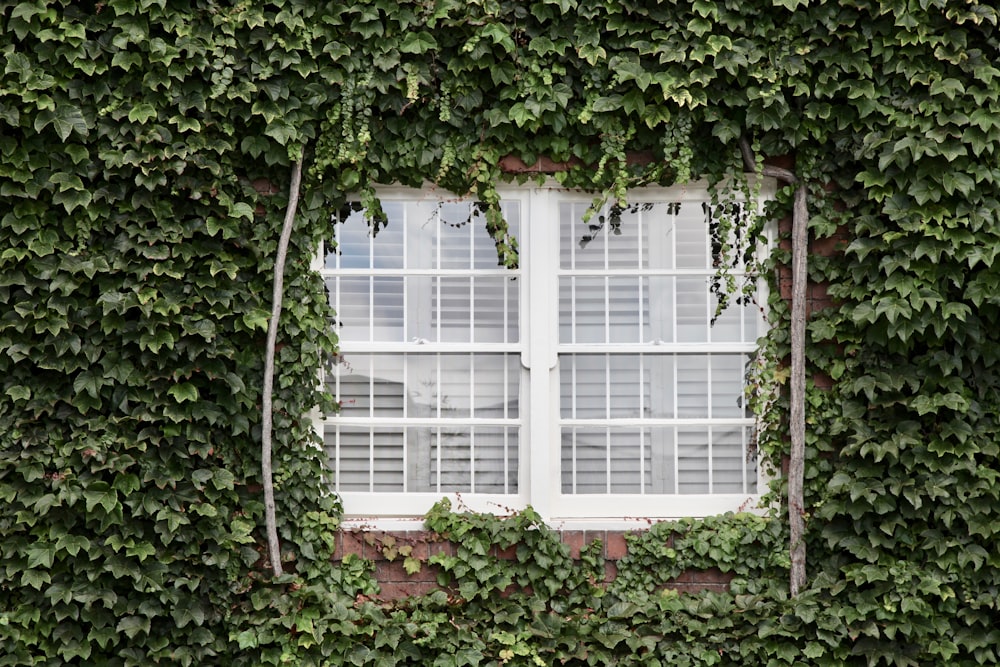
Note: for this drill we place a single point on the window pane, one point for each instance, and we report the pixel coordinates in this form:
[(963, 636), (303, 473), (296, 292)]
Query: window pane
[(427, 385), (693, 314), (366, 458), (468, 309), (462, 459), (727, 375), (714, 460), (691, 238), (606, 460), (597, 386)]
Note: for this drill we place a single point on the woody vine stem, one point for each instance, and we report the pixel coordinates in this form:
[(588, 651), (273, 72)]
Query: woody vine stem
[(267, 476), (797, 381)]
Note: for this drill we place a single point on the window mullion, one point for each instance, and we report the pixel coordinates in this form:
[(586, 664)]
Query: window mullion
[(542, 279)]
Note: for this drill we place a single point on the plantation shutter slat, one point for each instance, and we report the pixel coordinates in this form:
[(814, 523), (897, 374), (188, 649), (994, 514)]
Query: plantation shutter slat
[(670, 301), (424, 279)]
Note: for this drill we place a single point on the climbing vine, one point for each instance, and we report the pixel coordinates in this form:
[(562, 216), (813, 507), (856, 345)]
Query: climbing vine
[(145, 148)]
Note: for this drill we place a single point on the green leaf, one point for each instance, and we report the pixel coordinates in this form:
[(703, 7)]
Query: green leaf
[(72, 199), (72, 544), (242, 210), (65, 118), (418, 42), (19, 392), (256, 319), (412, 565), (184, 391), (142, 112), (133, 625), (223, 479), (35, 578), (499, 35)]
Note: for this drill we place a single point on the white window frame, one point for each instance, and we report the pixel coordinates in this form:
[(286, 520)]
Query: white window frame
[(539, 482)]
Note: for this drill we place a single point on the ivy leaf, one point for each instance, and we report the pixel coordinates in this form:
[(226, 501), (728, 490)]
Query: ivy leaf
[(157, 339), (19, 392), (41, 555), (72, 544), (35, 578), (256, 319), (499, 35), (72, 199), (185, 391), (281, 131), (242, 210), (142, 112), (133, 625), (418, 42), (65, 119)]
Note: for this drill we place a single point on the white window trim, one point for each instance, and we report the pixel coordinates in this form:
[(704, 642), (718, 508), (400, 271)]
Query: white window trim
[(539, 481)]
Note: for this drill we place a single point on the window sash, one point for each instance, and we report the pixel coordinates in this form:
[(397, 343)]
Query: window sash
[(539, 345)]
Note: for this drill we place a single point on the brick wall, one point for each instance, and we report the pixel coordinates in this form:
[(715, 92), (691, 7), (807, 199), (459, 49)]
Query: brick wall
[(395, 583)]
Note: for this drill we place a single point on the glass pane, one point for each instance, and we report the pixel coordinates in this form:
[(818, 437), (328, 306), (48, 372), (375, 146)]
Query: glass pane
[(427, 385), (449, 459), (582, 310), (691, 238), (353, 239), (369, 385), (692, 459), (495, 310), (692, 386), (693, 315), (451, 306), (728, 372), (731, 472), (351, 301), (616, 386), (365, 459), (605, 460)]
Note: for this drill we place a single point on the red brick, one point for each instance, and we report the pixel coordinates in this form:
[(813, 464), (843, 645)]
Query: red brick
[(510, 553), (822, 381), (829, 246), (710, 576), (399, 590), (386, 571), (440, 546), (698, 588), (610, 571), (264, 186), (615, 547), (602, 535), (785, 287), (394, 571), (350, 543), (574, 539), (512, 164)]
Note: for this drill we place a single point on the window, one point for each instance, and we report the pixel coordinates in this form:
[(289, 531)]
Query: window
[(590, 382)]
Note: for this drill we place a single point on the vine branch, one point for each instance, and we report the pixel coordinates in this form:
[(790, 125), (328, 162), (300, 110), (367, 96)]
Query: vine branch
[(797, 389), (267, 475)]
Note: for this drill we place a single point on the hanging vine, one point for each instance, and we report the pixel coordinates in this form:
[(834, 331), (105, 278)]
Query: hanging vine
[(133, 305)]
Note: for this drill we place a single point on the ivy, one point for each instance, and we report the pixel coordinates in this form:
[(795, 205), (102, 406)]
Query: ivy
[(144, 148)]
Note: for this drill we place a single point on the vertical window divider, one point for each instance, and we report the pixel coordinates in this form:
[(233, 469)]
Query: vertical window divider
[(371, 458)]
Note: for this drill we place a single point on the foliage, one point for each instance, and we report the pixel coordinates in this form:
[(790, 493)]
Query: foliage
[(143, 159)]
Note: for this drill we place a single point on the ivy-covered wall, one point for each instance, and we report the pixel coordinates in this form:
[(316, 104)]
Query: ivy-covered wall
[(135, 267)]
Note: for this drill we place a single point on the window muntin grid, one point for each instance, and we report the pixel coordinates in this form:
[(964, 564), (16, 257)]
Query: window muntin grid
[(634, 301), (651, 390), (429, 374)]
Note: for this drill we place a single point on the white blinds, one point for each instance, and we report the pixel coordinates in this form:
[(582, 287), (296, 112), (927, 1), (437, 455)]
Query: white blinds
[(429, 375), (651, 394), (641, 394)]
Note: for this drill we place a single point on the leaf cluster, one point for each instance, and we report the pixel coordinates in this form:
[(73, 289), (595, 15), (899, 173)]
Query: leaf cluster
[(143, 155)]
